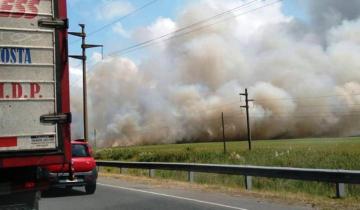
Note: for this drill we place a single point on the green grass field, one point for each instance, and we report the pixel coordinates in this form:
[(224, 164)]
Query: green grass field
[(329, 153)]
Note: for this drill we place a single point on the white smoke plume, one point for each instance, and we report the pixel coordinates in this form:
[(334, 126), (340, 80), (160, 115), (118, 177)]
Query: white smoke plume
[(303, 76)]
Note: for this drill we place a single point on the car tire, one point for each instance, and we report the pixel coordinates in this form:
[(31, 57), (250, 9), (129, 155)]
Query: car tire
[(90, 188), (68, 188)]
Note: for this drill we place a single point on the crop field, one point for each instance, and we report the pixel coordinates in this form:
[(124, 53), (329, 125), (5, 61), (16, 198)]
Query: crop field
[(328, 153)]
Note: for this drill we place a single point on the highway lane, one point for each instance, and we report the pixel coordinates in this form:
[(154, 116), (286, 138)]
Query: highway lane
[(118, 194)]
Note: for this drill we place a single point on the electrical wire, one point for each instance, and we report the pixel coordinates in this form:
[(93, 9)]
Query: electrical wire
[(306, 98), (199, 22), (186, 27), (118, 20), (175, 35), (236, 120)]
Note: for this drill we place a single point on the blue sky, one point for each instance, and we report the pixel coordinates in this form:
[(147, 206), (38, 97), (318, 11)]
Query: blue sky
[(80, 12), (97, 13)]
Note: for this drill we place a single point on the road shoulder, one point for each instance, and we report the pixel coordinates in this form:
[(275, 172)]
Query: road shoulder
[(300, 200), (246, 200)]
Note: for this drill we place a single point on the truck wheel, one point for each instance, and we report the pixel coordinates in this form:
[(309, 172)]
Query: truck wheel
[(90, 188)]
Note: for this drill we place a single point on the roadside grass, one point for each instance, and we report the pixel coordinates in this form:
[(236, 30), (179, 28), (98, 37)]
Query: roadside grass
[(330, 153)]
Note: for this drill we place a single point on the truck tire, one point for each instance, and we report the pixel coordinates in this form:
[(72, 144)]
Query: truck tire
[(90, 188)]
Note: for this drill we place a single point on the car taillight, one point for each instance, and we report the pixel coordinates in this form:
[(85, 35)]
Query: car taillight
[(29, 185)]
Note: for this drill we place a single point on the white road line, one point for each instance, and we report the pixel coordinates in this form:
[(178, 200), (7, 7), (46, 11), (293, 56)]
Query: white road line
[(173, 196)]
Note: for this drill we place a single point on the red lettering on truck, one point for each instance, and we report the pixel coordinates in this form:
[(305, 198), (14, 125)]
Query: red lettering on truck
[(19, 8), (16, 90), (34, 89), (33, 7), (1, 90), (5, 7)]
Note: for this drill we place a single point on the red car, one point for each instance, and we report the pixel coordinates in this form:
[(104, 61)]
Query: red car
[(83, 168)]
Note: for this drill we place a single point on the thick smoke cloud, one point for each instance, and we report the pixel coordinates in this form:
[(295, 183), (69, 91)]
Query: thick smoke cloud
[(178, 92), (325, 14)]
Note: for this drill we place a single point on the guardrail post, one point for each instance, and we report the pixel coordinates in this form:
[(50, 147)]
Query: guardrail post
[(191, 176), (151, 173), (123, 170), (340, 190), (248, 182)]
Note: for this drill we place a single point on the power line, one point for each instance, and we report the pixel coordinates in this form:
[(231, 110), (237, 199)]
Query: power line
[(119, 19), (256, 100), (185, 33), (232, 102), (235, 119), (307, 116), (237, 15), (225, 12), (160, 38), (307, 105), (307, 97), (150, 127), (271, 99), (186, 27), (295, 114)]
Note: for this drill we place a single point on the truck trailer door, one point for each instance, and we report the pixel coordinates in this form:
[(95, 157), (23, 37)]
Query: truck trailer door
[(28, 81)]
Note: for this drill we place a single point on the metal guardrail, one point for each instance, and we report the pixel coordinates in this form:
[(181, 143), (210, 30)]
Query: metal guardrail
[(339, 177)]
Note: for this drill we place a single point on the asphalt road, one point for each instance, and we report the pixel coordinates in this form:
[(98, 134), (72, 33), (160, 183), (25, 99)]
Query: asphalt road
[(118, 194)]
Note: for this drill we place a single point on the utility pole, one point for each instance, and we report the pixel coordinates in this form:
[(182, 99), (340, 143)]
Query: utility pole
[(247, 115), (82, 57), (223, 131), (95, 138)]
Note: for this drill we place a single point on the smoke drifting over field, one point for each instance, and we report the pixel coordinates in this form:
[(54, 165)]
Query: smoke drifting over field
[(179, 91)]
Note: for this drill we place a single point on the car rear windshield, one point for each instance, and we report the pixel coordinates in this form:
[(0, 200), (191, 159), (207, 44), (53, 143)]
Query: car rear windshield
[(79, 150)]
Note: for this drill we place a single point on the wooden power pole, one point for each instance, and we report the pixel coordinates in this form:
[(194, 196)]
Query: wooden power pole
[(223, 131), (247, 115), (95, 138), (83, 58)]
